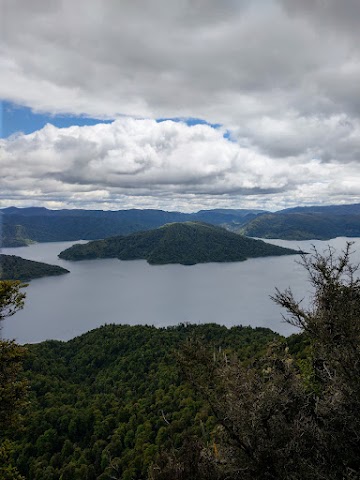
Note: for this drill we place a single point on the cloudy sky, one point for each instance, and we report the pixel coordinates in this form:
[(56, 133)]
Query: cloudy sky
[(179, 105)]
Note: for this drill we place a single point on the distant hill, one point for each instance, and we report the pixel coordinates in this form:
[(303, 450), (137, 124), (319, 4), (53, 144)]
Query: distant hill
[(21, 226), (353, 209), (13, 236), (297, 225), (41, 225), (17, 268), (185, 243)]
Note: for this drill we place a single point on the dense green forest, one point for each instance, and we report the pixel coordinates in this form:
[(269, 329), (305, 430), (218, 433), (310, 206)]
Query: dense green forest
[(198, 402), (187, 243), (17, 268), (107, 402)]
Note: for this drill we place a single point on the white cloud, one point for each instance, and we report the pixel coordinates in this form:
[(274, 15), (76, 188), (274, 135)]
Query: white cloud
[(167, 164), (281, 75)]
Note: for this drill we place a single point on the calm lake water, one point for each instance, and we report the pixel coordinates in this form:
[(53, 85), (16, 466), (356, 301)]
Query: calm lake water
[(132, 292)]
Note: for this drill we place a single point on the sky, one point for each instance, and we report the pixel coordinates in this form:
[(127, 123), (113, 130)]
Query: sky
[(179, 105)]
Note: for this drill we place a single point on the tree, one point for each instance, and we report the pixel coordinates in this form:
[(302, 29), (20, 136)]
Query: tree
[(12, 388), (279, 419), (332, 324), (11, 298)]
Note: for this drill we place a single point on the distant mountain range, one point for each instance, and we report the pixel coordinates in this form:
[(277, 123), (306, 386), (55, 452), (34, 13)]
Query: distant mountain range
[(353, 209), (303, 225), (17, 268), (22, 226), (186, 243)]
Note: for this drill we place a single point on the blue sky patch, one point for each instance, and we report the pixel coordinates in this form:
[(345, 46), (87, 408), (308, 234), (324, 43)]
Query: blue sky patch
[(15, 118)]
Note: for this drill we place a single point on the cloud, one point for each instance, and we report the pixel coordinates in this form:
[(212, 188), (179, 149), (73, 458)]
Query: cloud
[(128, 161), (220, 61), (281, 75)]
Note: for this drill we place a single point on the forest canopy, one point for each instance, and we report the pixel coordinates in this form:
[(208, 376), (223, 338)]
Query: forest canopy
[(202, 401)]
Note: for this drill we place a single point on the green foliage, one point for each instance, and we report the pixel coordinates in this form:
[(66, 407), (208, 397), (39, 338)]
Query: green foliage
[(280, 417), (186, 243), (7, 470), (17, 268), (13, 392), (104, 404), (11, 298), (13, 389)]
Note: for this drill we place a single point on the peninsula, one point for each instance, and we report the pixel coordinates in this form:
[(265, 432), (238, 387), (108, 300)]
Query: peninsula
[(17, 268)]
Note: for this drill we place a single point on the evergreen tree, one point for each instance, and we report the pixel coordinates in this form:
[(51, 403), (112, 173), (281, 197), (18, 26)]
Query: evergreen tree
[(12, 388), (279, 417)]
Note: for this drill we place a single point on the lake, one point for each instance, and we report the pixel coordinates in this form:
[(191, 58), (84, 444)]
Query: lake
[(132, 292)]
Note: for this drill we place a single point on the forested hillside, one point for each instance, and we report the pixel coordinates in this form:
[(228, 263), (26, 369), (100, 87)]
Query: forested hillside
[(351, 209), (13, 235), (187, 243), (302, 224), (105, 404), (17, 268)]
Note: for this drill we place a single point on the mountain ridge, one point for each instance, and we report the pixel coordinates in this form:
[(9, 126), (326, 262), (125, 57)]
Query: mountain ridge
[(22, 226)]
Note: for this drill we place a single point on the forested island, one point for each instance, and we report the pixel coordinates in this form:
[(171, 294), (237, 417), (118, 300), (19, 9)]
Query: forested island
[(186, 243), (17, 268)]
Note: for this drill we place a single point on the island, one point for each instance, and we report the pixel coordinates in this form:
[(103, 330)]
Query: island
[(17, 268), (186, 243)]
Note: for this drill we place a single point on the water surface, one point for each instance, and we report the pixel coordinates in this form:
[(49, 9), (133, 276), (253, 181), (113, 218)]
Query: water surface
[(132, 292)]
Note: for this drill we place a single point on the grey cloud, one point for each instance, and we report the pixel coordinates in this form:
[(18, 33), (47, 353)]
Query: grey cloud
[(148, 59), (329, 14), (281, 75)]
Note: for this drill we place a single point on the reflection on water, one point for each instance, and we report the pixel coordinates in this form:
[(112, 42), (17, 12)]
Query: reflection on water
[(133, 292)]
